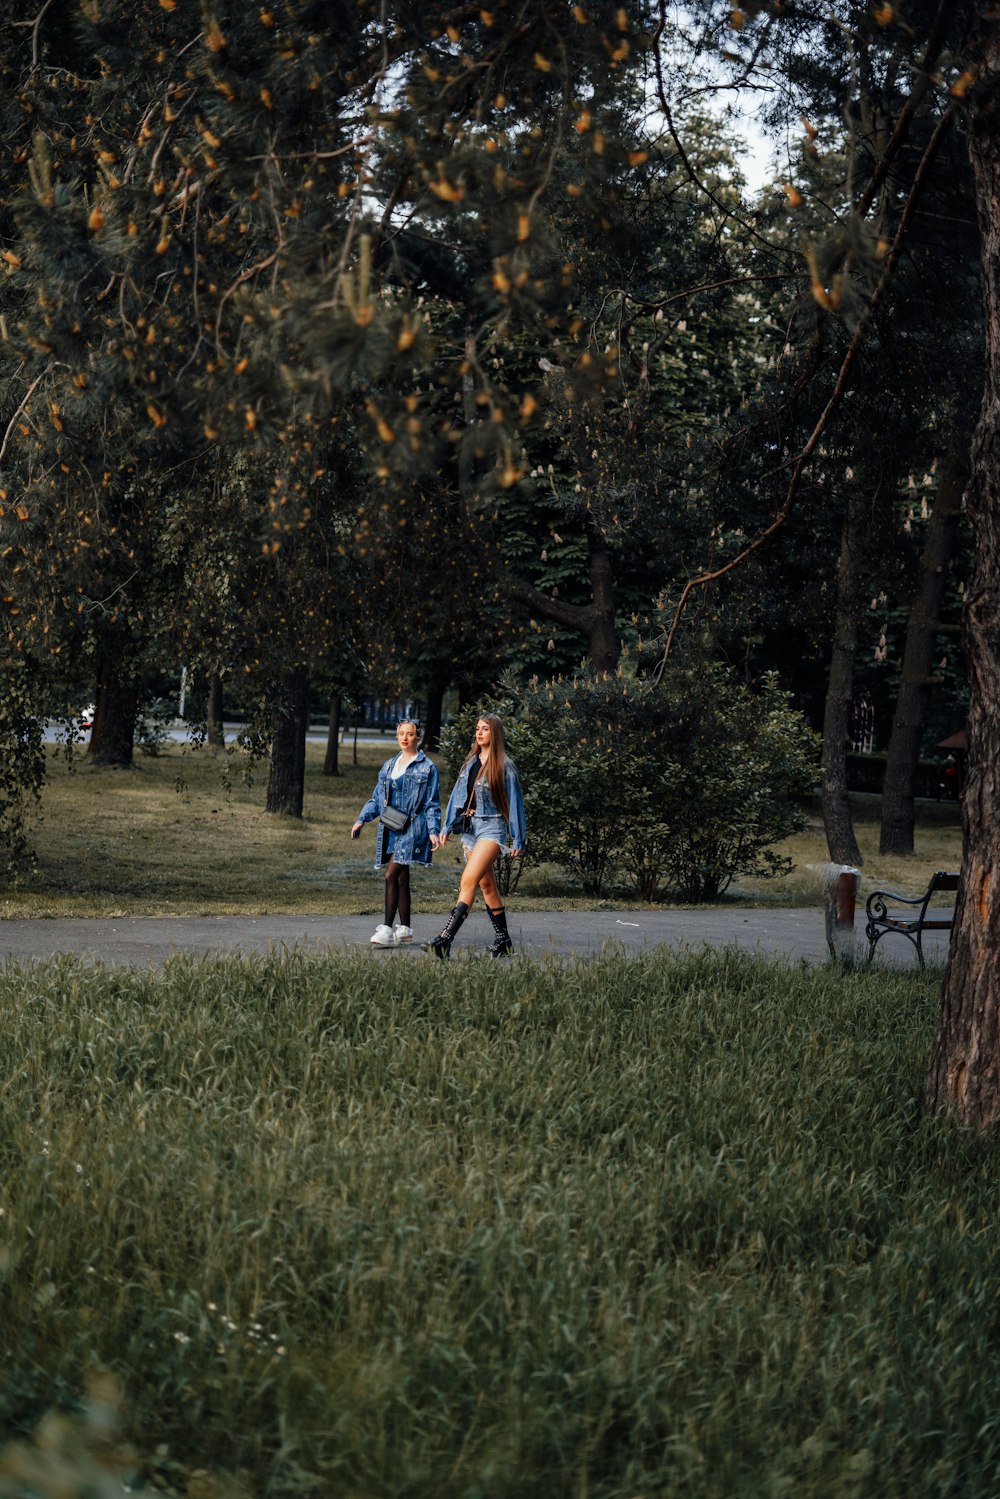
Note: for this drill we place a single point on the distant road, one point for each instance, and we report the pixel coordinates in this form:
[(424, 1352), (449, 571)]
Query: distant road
[(52, 735)]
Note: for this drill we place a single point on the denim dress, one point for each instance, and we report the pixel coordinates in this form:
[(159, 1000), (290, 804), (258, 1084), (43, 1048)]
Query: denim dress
[(488, 821), (418, 791)]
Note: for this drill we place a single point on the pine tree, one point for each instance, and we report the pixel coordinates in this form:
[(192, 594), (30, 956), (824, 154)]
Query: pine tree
[(216, 229)]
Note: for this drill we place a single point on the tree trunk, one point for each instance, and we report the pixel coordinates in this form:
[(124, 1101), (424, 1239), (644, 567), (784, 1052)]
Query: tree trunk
[(215, 735), (964, 1072), (837, 819), (331, 760), (903, 756), (435, 713), (603, 645), (595, 621), (113, 736), (289, 723)]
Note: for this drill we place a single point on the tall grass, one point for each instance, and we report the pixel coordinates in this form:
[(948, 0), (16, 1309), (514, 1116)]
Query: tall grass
[(664, 1225)]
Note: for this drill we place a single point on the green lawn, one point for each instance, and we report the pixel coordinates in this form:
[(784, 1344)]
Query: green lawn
[(169, 838), (624, 1228)]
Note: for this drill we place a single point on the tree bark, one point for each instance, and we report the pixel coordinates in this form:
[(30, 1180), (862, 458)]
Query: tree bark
[(595, 621), (964, 1072), (113, 736), (603, 645), (898, 792), (435, 713), (331, 760), (836, 803), (215, 735), (289, 723)]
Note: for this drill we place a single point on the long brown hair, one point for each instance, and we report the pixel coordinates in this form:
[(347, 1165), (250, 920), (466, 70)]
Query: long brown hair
[(496, 762)]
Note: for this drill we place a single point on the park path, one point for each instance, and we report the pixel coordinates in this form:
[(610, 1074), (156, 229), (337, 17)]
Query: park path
[(797, 934)]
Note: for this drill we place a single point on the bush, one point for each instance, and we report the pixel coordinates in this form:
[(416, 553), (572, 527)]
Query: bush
[(152, 725), (569, 782), (733, 768), (682, 785), (677, 786)]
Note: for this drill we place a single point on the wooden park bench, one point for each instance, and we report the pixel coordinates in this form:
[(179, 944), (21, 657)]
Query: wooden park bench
[(884, 915)]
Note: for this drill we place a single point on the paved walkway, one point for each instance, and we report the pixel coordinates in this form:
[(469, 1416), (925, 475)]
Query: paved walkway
[(798, 934)]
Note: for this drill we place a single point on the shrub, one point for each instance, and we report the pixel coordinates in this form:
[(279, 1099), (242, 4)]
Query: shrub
[(682, 784), (570, 820), (152, 725), (678, 786), (730, 770), (576, 750)]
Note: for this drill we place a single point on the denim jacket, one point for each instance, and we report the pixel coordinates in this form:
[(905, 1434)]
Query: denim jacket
[(485, 807), (418, 792)]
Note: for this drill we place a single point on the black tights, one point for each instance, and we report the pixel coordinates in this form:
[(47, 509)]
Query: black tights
[(397, 893)]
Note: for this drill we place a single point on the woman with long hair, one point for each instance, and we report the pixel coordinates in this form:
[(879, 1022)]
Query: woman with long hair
[(487, 807), (407, 791)]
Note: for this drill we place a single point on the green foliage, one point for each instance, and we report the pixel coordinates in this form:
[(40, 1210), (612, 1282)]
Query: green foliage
[(627, 473), (241, 256), (22, 768), (153, 725), (683, 785), (736, 766), (657, 1226), (305, 303)]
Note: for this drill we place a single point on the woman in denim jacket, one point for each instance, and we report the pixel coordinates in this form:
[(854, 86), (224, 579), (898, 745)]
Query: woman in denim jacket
[(488, 807), (410, 782)]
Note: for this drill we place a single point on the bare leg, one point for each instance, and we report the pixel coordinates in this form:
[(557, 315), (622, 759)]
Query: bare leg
[(491, 890), (486, 849), (477, 863), (478, 873)]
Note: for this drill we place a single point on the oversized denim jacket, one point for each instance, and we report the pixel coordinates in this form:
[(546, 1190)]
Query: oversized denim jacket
[(418, 791), (484, 805)]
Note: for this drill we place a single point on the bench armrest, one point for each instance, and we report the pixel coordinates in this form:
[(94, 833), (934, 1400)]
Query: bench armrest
[(876, 906), (882, 919)]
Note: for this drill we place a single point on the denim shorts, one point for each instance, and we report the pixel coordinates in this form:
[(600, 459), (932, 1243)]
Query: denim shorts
[(485, 827)]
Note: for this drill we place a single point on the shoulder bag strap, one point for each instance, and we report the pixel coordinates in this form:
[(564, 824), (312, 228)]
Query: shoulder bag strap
[(472, 784)]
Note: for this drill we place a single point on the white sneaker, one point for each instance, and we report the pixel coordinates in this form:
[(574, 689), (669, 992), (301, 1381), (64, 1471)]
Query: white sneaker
[(382, 936), (404, 934)]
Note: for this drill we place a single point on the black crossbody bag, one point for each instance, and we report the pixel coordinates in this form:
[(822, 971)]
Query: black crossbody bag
[(391, 817)]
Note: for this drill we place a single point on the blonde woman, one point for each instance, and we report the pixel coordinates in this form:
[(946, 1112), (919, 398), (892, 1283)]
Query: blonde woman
[(487, 808), (408, 785)]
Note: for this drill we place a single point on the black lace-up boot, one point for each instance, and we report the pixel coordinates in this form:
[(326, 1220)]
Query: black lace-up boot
[(441, 944), (501, 944)]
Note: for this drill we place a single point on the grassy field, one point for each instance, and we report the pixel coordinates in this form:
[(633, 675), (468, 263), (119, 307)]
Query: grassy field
[(619, 1229), (133, 843)]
